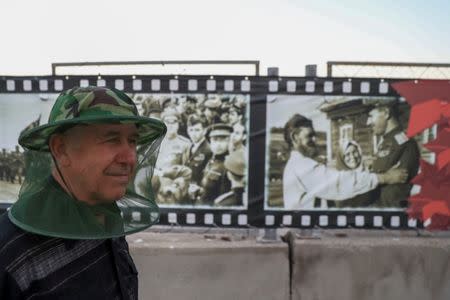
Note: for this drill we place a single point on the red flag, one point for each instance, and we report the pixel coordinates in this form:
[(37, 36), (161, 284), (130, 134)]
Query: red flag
[(417, 91), (423, 116)]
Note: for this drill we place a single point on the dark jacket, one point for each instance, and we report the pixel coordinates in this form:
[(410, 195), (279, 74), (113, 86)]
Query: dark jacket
[(39, 267)]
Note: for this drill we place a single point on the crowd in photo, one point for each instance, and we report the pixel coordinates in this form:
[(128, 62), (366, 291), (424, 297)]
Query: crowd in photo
[(202, 157), (12, 165)]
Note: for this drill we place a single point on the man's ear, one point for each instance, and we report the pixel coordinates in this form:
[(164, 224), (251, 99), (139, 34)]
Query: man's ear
[(58, 148)]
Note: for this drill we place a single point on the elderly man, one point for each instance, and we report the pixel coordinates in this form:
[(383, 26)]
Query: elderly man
[(64, 237), (305, 179), (394, 148)]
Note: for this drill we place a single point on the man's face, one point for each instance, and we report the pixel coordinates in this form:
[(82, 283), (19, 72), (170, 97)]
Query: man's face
[(378, 118), (238, 134), (196, 132), (172, 125), (209, 112), (219, 144), (100, 160), (234, 116), (304, 140)]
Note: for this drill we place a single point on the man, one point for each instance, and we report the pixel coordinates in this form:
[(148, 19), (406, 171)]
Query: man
[(394, 148), (174, 148), (236, 114), (237, 138), (16, 165), (235, 166), (200, 151), (212, 110), (305, 179), (4, 166), (64, 237), (215, 181)]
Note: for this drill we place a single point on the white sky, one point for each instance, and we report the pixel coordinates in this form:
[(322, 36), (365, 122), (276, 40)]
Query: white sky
[(283, 33)]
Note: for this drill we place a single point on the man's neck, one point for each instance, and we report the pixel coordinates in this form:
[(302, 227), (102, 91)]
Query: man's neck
[(196, 144), (391, 125)]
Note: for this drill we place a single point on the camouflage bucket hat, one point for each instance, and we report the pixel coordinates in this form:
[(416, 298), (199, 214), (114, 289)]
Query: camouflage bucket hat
[(88, 105), (44, 207)]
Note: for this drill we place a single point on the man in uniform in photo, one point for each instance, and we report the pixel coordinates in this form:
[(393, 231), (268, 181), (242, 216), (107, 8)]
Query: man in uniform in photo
[(16, 165), (235, 166), (212, 110), (200, 152), (394, 149), (151, 107), (174, 148), (306, 180), (215, 181), (4, 166), (191, 105)]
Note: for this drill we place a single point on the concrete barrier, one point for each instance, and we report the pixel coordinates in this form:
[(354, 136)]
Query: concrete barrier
[(198, 266), (356, 268)]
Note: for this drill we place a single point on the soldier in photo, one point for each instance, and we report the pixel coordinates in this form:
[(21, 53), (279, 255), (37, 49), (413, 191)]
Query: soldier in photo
[(235, 166), (215, 181), (152, 108), (174, 148), (16, 166), (394, 150), (4, 166), (212, 110), (191, 105), (200, 152)]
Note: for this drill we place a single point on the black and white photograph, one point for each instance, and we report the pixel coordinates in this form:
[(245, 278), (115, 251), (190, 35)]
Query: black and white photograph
[(340, 152), (17, 113), (203, 157)]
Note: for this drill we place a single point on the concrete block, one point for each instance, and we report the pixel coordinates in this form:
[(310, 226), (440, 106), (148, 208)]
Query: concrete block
[(190, 266), (371, 268)]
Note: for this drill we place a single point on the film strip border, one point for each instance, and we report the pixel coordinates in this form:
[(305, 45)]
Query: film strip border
[(210, 218), (341, 219), (294, 219), (208, 84)]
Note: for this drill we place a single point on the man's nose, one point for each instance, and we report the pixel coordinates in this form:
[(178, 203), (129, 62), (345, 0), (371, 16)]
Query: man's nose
[(127, 154)]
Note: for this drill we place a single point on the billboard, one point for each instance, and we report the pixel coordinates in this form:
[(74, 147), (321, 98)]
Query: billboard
[(253, 151)]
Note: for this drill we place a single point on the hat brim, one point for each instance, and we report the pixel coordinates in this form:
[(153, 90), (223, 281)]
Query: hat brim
[(149, 129)]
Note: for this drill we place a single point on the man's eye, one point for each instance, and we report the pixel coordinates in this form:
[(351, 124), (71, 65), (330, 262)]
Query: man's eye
[(132, 141), (113, 140)]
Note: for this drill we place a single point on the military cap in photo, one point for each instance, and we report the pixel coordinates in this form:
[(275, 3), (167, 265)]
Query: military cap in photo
[(235, 162), (219, 129)]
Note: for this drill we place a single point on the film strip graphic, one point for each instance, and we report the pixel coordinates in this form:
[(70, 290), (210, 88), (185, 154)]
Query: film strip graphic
[(258, 88), (189, 84)]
